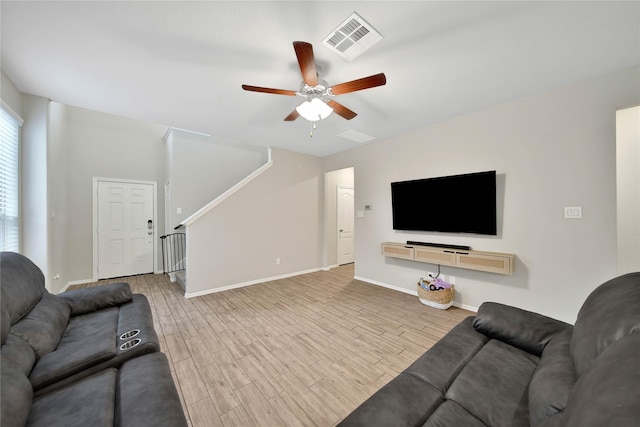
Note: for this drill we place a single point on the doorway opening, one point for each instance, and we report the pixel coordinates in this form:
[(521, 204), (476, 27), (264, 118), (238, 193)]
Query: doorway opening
[(339, 247), (345, 211)]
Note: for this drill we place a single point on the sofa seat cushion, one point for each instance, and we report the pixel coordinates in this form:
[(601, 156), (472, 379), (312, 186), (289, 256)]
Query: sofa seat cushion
[(43, 326), (418, 393), (451, 414), (494, 385), (447, 357), (407, 401), (89, 402), (88, 340), (92, 342), (146, 394)]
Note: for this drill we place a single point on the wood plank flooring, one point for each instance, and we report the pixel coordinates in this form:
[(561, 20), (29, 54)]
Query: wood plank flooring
[(300, 351)]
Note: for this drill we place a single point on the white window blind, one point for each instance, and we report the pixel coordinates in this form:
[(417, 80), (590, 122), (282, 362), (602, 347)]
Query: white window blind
[(9, 180)]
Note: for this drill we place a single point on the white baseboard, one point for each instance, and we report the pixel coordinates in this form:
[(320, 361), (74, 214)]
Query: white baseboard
[(249, 283), (75, 282), (411, 292), (465, 306), (284, 276), (386, 285)]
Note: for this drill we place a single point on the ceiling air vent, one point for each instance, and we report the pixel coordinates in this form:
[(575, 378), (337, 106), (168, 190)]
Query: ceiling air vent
[(352, 38)]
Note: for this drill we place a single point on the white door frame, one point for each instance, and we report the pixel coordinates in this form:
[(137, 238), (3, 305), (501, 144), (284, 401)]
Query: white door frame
[(95, 219), (338, 188)]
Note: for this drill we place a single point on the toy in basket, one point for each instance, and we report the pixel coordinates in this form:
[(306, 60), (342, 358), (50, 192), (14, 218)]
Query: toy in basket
[(436, 293)]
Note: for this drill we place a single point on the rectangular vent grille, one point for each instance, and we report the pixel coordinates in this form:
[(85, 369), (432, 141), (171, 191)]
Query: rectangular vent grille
[(352, 38)]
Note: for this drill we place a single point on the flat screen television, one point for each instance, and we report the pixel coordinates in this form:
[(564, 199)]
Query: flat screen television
[(450, 204)]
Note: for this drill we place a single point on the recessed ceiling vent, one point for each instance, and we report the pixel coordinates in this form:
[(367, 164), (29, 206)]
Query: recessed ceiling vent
[(354, 135), (352, 38)]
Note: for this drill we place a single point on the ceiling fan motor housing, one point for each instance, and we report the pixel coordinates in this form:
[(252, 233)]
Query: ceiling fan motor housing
[(319, 90)]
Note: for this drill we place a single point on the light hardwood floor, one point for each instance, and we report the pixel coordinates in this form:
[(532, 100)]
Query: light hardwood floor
[(301, 351)]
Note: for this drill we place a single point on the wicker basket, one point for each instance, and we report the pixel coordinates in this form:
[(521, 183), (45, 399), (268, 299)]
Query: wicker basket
[(441, 299)]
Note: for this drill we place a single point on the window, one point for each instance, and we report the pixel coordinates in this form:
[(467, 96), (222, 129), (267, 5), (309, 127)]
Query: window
[(9, 179)]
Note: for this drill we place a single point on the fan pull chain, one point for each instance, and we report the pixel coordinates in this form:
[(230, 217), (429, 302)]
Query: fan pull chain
[(313, 126)]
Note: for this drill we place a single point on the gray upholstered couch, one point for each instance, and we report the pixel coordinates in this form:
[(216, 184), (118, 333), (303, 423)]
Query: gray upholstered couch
[(80, 358), (509, 367)]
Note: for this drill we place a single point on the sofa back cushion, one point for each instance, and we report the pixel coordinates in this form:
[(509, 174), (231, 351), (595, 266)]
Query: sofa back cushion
[(608, 393), (520, 328), (609, 314), (22, 284), (44, 325)]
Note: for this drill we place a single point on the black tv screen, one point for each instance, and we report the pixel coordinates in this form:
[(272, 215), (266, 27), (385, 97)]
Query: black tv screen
[(451, 204)]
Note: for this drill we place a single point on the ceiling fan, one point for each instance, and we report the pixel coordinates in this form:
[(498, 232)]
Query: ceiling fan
[(319, 95)]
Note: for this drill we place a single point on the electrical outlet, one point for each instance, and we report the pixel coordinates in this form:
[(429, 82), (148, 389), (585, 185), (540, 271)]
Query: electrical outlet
[(452, 280), (277, 261)]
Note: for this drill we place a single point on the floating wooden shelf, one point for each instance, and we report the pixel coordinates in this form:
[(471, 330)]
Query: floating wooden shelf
[(492, 262)]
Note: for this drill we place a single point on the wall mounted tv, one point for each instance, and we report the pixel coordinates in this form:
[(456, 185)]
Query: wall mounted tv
[(450, 204)]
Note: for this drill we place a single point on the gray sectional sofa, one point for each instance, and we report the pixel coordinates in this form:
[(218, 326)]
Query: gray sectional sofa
[(84, 357), (509, 367)]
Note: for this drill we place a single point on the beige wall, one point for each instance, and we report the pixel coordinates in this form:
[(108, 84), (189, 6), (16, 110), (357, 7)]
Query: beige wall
[(60, 264), (107, 146), (551, 150), (628, 187), (276, 215), (33, 182), (202, 168)]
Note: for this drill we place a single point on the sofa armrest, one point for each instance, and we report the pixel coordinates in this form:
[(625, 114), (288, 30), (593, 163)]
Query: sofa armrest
[(520, 328), (95, 298)]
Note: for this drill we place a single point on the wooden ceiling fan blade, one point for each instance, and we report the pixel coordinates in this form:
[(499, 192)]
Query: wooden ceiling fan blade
[(341, 110), (307, 63), (359, 84), (291, 117), (269, 90)]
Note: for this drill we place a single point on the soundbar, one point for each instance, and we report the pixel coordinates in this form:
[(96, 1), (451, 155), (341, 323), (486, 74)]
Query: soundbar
[(439, 245)]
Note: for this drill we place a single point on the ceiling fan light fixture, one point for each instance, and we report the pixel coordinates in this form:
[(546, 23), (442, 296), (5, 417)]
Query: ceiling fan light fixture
[(314, 109)]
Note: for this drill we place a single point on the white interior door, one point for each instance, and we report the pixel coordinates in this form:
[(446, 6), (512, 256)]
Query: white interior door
[(126, 228), (345, 225)]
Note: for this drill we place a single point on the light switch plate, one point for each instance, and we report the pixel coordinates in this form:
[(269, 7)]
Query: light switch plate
[(573, 212)]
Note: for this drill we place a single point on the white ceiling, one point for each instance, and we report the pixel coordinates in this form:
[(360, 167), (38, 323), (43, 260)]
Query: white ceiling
[(182, 64)]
